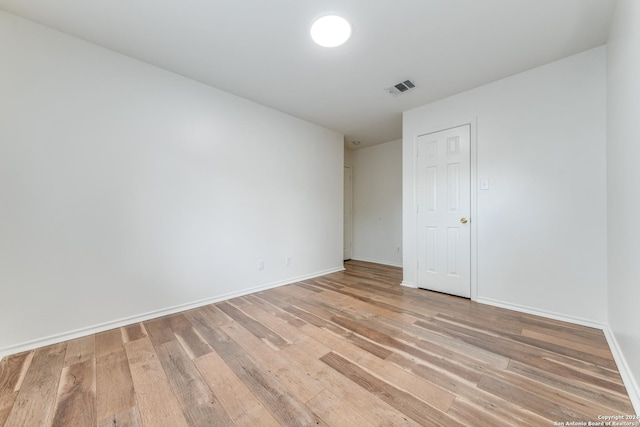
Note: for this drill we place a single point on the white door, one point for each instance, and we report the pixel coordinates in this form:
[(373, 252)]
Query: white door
[(348, 213), (444, 208)]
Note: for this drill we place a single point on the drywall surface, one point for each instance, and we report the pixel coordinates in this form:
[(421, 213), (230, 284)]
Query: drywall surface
[(348, 157), (623, 176), (377, 203), (540, 141), (128, 190)]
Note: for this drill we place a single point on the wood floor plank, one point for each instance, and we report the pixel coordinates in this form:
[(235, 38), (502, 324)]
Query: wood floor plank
[(308, 287), (241, 404), (285, 407), (80, 350), (35, 402), (7, 401), (408, 404), (468, 372), (215, 316), (157, 404), (614, 401), (292, 291), (388, 303), (338, 343), (293, 376), (545, 408), (288, 332), (533, 356), (159, 330), (469, 414), (276, 311), (297, 312), (215, 336), (200, 404), (207, 318), (461, 351), (589, 409), (114, 385), (585, 348), (191, 341), (133, 332), (381, 306), (253, 326), (127, 418), (365, 404), (108, 342), (76, 404), (336, 412), (486, 402), (320, 317), (12, 371), (560, 348), (416, 386), (565, 331), (485, 323), (442, 346), (608, 378), (470, 364)]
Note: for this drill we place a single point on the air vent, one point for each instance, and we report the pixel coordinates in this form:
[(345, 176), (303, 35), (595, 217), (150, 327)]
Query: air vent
[(401, 87)]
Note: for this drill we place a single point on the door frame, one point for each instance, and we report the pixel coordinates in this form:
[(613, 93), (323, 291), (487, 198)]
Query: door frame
[(433, 128), (350, 210)]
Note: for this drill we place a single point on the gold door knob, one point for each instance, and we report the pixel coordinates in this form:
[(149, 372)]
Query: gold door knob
[(464, 220)]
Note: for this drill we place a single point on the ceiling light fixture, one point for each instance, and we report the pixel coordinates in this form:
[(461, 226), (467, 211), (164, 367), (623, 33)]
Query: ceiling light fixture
[(355, 142), (330, 31)]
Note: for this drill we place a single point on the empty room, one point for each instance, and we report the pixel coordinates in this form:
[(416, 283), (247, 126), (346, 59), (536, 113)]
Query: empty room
[(337, 213)]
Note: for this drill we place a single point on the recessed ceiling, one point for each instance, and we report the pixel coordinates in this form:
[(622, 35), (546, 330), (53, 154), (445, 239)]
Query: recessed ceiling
[(447, 46)]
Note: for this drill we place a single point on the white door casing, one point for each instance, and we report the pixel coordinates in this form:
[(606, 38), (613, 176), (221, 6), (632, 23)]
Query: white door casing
[(348, 213), (443, 211)]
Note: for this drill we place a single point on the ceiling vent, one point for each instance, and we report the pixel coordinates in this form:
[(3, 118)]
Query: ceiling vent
[(401, 87)]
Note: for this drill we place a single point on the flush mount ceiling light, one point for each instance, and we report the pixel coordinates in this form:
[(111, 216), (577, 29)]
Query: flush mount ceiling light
[(330, 31)]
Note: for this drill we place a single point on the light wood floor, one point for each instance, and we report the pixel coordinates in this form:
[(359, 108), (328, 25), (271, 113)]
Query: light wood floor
[(348, 349)]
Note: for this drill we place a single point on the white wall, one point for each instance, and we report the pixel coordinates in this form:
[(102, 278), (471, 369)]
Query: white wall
[(348, 157), (623, 177), (127, 190), (541, 227), (377, 203)]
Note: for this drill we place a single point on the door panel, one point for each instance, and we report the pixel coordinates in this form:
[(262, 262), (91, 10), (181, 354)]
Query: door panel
[(444, 201)]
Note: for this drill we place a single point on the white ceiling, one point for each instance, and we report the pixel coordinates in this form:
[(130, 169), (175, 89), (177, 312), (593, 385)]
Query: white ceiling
[(261, 49)]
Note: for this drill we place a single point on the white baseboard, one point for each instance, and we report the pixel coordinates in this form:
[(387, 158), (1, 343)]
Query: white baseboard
[(65, 336), (377, 261), (627, 377), (542, 313), (409, 284)]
